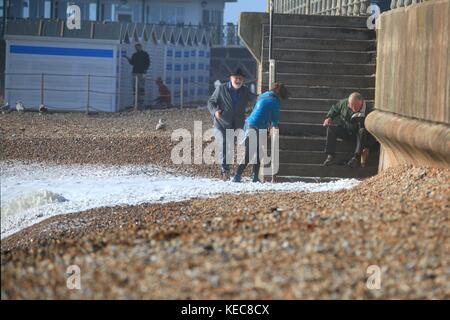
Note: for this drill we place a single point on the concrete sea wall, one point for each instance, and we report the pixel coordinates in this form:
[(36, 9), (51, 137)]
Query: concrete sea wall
[(412, 97)]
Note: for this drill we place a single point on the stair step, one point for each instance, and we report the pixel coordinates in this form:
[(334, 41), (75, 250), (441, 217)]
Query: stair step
[(321, 68), (325, 56), (302, 129), (321, 59), (302, 116), (328, 93), (316, 170), (323, 80), (320, 44), (310, 157), (320, 20), (305, 104), (302, 143), (322, 32)]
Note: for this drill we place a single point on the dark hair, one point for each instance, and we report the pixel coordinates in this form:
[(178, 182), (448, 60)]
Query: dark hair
[(280, 90)]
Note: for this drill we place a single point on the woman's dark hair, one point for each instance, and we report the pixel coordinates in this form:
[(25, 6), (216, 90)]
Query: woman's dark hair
[(280, 90)]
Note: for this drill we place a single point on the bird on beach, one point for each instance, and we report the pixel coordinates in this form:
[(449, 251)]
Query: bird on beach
[(20, 107), (161, 124), (42, 109), (4, 107)]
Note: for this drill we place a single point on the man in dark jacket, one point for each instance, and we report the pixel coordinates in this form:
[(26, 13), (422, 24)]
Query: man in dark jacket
[(140, 61), (345, 120), (227, 106)]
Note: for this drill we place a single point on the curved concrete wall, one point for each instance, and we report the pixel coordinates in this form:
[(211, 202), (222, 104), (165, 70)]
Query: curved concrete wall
[(412, 97)]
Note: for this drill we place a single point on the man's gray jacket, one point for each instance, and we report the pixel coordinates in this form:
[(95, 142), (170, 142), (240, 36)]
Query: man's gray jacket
[(221, 101)]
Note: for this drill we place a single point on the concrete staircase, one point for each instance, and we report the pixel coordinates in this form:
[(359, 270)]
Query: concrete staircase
[(321, 59)]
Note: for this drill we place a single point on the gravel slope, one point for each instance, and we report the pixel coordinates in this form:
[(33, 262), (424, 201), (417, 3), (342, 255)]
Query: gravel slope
[(272, 245), (119, 138), (269, 245)]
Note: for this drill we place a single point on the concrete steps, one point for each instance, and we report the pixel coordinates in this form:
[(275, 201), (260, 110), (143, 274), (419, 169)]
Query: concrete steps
[(306, 116), (312, 104), (310, 157), (322, 68), (321, 32), (328, 93), (321, 59), (319, 80), (302, 129), (320, 20), (302, 143), (300, 55), (321, 44), (316, 170)]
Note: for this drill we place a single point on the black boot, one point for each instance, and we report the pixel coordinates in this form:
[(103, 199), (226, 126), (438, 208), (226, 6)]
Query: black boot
[(328, 161), (353, 162), (239, 171)]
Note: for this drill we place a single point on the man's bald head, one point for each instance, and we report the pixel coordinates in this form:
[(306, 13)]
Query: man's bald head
[(355, 101)]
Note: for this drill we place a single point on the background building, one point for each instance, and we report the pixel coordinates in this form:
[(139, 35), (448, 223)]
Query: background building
[(226, 48), (222, 53), (195, 12)]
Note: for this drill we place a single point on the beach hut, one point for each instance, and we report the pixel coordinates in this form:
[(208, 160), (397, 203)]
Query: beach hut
[(64, 69), (86, 69)]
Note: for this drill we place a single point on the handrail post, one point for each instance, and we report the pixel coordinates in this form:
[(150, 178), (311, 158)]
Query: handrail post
[(42, 88), (181, 92), (271, 9), (136, 90), (88, 93)]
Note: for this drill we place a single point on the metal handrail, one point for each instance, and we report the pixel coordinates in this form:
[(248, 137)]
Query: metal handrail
[(87, 90)]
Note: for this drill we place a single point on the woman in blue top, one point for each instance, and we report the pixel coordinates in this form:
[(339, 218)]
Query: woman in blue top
[(265, 111)]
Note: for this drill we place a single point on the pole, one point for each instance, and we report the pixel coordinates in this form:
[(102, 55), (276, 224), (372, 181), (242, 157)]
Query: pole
[(42, 89), (274, 152), (272, 77), (136, 89), (5, 16), (88, 93), (181, 92), (270, 28)]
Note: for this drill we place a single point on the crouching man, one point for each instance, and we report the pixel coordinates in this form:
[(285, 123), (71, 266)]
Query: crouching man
[(266, 111), (345, 120)]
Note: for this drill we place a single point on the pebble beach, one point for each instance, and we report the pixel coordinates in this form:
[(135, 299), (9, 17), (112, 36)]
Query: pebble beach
[(260, 245)]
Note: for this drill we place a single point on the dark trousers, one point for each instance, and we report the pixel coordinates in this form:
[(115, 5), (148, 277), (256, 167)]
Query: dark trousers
[(141, 88), (224, 147), (360, 137), (250, 154), (160, 102)]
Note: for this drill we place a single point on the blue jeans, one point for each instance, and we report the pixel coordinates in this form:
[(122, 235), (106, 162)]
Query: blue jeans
[(249, 152)]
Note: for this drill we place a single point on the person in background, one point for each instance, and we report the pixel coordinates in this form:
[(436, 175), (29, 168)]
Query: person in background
[(164, 99), (345, 120), (265, 112), (140, 60), (227, 106)]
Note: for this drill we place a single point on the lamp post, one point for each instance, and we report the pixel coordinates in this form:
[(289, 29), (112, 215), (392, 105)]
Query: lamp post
[(272, 78), (270, 27)]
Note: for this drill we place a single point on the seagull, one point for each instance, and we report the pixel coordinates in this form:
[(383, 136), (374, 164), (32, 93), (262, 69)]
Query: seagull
[(161, 125), (20, 107), (42, 108)]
